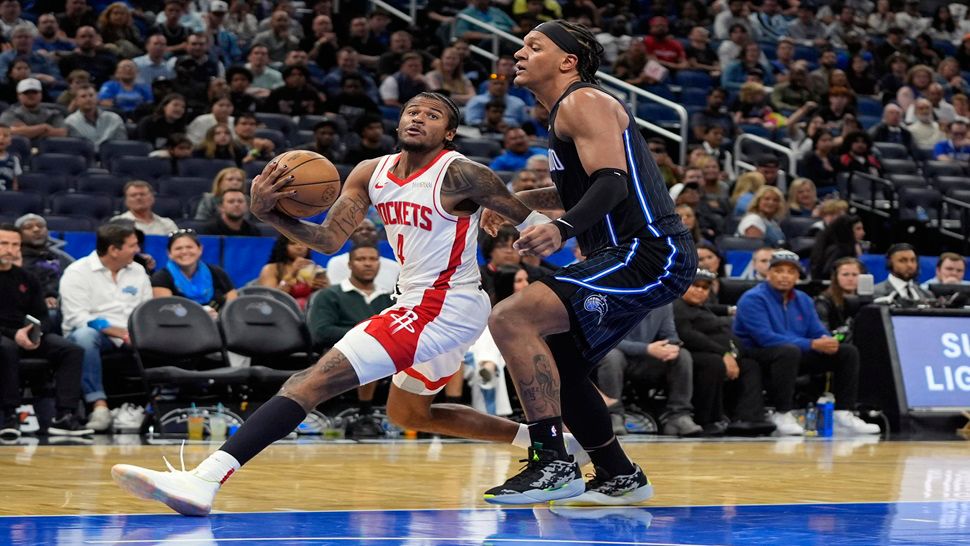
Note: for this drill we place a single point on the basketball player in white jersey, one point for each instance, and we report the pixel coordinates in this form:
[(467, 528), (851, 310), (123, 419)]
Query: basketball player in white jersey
[(430, 199)]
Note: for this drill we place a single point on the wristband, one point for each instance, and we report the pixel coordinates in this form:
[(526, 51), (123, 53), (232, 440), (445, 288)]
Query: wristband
[(535, 217), (565, 229)]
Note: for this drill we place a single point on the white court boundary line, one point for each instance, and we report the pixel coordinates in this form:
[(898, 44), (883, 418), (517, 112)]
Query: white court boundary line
[(646, 507), (429, 539)]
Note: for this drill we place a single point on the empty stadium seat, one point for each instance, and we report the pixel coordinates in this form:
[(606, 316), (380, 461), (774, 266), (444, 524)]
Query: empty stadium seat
[(900, 166), (149, 169), (96, 206), (279, 139), (20, 146), (911, 200), (944, 168), (657, 113), (891, 150), (908, 180), (693, 97), (253, 168), (949, 184), (183, 186), (796, 226), (868, 106), (45, 183), (57, 222), (108, 184), (203, 168), (278, 122), (694, 79), (485, 147), (111, 149), (307, 123), (18, 203), (68, 145), (731, 289), (66, 164), (267, 330), (730, 242), (166, 205)]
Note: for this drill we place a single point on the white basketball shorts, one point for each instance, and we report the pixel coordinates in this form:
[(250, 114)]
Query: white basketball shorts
[(421, 340)]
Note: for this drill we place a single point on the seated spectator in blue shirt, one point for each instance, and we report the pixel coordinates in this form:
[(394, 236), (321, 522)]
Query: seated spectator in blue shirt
[(749, 64), (516, 112), (48, 39), (41, 68), (348, 62), (955, 148), (122, 92), (517, 151), (153, 65), (779, 327)]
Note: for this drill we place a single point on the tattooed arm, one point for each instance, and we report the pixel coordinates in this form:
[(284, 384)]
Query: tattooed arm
[(541, 199), (344, 217), (468, 185)]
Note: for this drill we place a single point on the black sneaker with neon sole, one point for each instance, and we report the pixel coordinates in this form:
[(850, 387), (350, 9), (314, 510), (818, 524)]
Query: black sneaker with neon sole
[(607, 490), (544, 478)]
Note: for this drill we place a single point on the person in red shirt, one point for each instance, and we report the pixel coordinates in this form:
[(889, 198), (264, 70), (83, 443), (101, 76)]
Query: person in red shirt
[(660, 46)]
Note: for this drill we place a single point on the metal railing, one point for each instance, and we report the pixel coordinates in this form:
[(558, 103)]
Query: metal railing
[(634, 92), (880, 199), (409, 18), (949, 205), (784, 150)]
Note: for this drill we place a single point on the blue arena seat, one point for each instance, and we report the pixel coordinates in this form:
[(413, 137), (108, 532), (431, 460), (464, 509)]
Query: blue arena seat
[(66, 164), (56, 222), (68, 145), (45, 183), (478, 146), (278, 122), (183, 186), (90, 205), (203, 168), (18, 203), (111, 149), (108, 184), (149, 169)]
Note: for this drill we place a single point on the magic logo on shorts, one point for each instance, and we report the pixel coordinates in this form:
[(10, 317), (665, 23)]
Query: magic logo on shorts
[(597, 303)]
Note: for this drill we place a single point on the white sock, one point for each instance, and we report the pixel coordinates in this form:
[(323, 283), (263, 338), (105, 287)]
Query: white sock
[(217, 467), (522, 438)]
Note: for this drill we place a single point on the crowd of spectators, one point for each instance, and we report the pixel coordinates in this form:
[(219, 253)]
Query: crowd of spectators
[(238, 82)]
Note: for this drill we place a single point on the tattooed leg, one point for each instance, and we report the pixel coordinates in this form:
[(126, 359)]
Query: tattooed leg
[(329, 377), (518, 325)]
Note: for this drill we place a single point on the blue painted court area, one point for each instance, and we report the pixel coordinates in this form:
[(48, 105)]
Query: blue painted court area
[(917, 523)]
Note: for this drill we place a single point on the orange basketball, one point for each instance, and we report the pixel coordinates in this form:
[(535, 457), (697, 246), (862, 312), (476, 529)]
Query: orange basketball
[(315, 181)]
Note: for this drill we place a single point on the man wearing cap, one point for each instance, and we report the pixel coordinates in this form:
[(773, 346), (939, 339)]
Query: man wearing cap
[(28, 118), (42, 255), (667, 50), (152, 65), (779, 327), (768, 165), (716, 350), (223, 43)]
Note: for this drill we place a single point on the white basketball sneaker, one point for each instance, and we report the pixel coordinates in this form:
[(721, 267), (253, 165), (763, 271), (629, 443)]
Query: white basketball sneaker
[(183, 491), (848, 424)]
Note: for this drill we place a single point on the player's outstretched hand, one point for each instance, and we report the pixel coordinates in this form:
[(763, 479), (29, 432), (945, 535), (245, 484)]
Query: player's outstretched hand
[(492, 221), (265, 191), (539, 240)]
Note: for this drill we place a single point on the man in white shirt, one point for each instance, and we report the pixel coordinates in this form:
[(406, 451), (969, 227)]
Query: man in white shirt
[(338, 268), (950, 269), (903, 265), (265, 79), (139, 199), (98, 293), (92, 123)]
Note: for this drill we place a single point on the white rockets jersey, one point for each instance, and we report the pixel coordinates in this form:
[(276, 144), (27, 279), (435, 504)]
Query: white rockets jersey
[(435, 249)]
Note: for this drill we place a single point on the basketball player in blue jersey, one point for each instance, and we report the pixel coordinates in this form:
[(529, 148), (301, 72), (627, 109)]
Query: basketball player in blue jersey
[(638, 257)]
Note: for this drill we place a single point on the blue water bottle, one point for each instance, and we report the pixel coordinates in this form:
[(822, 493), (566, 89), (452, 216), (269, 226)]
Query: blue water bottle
[(826, 412)]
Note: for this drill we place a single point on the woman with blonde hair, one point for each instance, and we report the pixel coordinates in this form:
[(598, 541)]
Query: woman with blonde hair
[(802, 198), (766, 211), (117, 29), (744, 190), (230, 178), (450, 78)]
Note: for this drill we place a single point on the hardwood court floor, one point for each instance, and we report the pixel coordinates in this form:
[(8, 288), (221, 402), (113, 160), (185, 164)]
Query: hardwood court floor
[(39, 480)]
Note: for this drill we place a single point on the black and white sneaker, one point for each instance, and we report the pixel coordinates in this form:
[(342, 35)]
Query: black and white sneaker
[(607, 490), (68, 425), (10, 430), (544, 478)]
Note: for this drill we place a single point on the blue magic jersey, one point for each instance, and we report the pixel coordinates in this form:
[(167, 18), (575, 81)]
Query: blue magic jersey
[(646, 213)]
